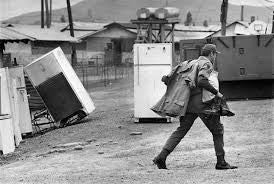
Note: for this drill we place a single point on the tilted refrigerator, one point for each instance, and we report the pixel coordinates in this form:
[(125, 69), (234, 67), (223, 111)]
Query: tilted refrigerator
[(59, 87), (151, 62)]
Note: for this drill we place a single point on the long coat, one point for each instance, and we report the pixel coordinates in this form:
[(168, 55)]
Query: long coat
[(179, 83), (195, 104)]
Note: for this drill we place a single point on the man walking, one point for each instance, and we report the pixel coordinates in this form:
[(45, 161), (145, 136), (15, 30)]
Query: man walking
[(195, 109)]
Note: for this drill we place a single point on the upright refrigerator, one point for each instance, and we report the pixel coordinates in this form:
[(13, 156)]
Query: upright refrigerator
[(59, 87), (151, 62)]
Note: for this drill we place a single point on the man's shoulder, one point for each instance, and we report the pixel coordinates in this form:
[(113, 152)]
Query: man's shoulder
[(202, 61)]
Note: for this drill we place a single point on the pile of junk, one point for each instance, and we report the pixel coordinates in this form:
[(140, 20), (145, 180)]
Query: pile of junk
[(45, 94)]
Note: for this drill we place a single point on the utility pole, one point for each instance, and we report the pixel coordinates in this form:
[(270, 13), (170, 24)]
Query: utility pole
[(242, 13), (42, 14), (47, 13), (50, 12), (223, 17), (73, 49), (2, 47), (272, 23)]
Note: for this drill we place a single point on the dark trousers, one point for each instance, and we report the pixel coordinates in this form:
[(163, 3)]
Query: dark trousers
[(212, 122)]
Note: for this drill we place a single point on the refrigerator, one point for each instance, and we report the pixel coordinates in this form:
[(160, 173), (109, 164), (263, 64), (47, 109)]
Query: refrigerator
[(10, 105), (59, 87), (151, 62)]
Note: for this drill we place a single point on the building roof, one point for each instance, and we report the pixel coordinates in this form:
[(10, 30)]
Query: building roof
[(180, 35), (245, 28), (111, 25), (46, 34), (7, 34), (210, 28), (83, 26)]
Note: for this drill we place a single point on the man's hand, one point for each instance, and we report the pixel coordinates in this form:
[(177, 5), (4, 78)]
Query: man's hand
[(165, 79), (220, 95)]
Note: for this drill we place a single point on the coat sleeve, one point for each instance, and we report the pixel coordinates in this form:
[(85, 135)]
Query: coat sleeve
[(204, 70), (166, 78)]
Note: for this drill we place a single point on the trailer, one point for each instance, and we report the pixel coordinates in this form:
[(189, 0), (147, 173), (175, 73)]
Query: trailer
[(245, 64)]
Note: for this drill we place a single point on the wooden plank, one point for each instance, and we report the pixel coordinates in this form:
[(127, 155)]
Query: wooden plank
[(16, 115)]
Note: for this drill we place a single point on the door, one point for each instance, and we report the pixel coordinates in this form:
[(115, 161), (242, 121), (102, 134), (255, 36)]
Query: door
[(151, 62), (117, 51), (17, 74)]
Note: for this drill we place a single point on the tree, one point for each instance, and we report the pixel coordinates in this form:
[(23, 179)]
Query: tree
[(62, 18), (188, 20), (205, 23)]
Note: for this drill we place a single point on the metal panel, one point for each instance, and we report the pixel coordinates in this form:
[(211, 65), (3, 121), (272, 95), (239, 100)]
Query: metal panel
[(241, 57), (59, 97), (247, 58), (43, 69), (17, 74)]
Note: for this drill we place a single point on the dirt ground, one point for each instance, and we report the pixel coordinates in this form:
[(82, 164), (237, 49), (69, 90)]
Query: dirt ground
[(101, 149)]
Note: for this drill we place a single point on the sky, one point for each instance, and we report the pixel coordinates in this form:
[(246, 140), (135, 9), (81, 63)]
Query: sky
[(11, 8)]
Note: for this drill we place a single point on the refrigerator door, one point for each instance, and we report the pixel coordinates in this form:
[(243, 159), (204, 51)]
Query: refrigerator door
[(43, 69), (148, 89), (5, 95), (151, 62), (153, 54), (17, 74), (6, 134)]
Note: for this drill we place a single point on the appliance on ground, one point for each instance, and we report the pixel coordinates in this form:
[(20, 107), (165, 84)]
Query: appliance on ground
[(59, 87), (151, 62)]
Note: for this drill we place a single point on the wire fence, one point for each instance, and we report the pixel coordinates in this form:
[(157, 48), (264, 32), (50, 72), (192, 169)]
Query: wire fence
[(101, 70)]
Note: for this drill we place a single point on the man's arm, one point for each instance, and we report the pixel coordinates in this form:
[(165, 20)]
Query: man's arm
[(202, 81)]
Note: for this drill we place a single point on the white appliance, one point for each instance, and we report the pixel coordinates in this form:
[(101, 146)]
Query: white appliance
[(17, 74), (9, 104), (151, 62), (7, 144), (59, 87)]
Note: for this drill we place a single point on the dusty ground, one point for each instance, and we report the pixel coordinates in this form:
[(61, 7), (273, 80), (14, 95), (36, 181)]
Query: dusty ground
[(106, 152)]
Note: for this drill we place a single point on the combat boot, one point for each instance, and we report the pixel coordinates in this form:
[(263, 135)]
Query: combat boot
[(160, 160), (222, 164)]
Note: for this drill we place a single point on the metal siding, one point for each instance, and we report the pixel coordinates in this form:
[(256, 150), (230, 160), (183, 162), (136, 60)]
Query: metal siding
[(57, 89), (257, 61)]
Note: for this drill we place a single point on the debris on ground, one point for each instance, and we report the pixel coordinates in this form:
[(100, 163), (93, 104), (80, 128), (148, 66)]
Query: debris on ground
[(136, 133)]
